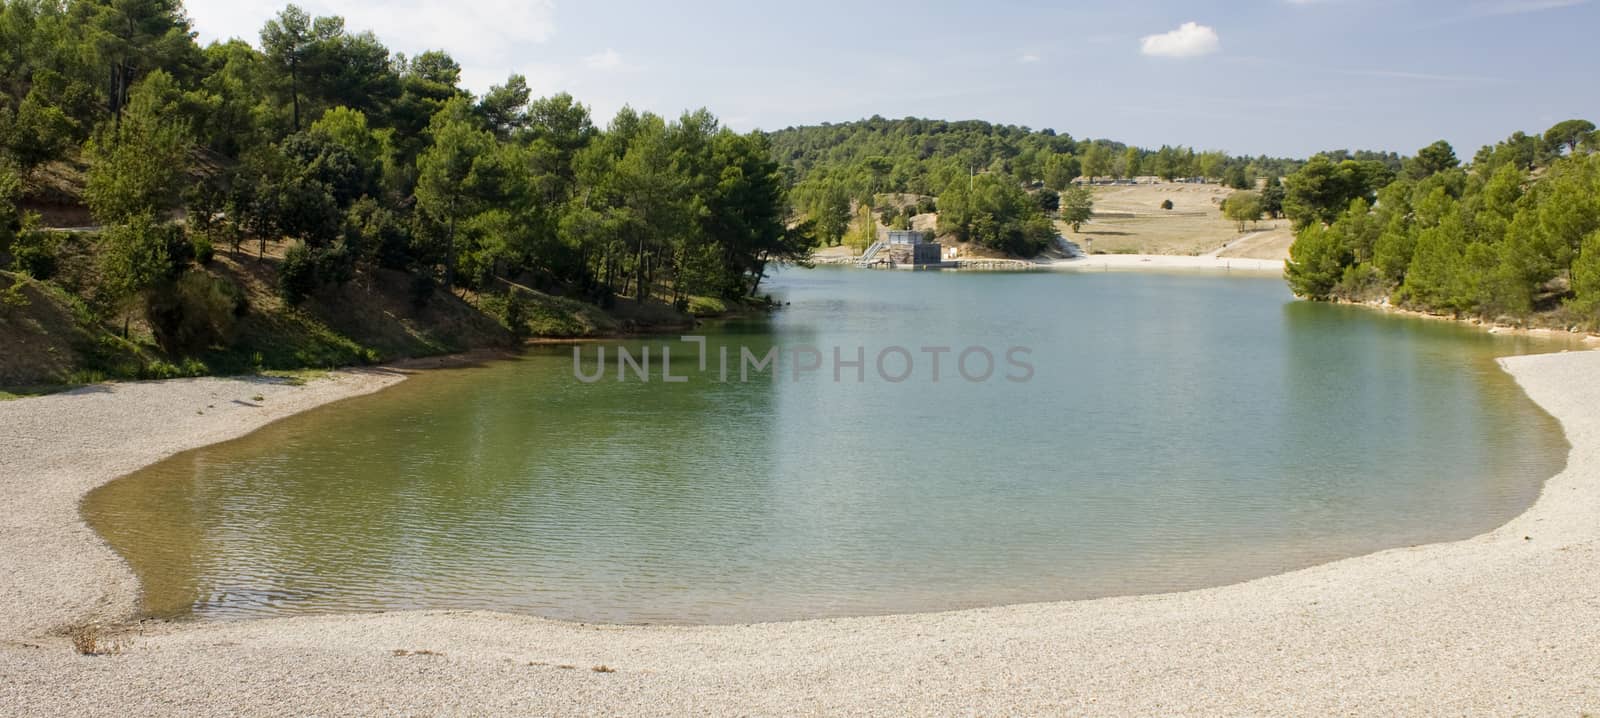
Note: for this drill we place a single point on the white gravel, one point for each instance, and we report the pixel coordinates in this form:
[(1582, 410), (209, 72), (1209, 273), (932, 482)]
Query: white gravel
[(1507, 623), (1168, 263)]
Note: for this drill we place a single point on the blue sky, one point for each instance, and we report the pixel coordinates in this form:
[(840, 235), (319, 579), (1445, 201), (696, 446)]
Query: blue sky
[(1281, 77)]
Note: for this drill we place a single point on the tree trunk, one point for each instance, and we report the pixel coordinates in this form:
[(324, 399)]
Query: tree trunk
[(450, 253), (294, 92)]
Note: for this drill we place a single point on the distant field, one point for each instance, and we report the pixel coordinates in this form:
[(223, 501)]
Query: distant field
[(1129, 220)]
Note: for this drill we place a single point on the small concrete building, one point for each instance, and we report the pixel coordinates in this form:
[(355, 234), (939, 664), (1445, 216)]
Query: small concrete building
[(914, 248)]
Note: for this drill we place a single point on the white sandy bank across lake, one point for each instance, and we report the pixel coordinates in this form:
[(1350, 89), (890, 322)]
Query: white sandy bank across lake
[(1168, 263), (1504, 623)]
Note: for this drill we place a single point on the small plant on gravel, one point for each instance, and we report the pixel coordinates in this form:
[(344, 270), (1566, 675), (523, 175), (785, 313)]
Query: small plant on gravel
[(603, 668), (89, 639)]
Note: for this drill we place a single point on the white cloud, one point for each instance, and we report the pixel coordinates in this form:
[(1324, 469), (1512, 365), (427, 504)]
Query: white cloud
[(1189, 40), (607, 60), (1028, 58)]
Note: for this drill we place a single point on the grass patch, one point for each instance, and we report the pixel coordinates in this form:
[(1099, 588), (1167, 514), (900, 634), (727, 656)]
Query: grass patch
[(603, 668), (23, 392), (529, 313), (707, 306), (297, 377)]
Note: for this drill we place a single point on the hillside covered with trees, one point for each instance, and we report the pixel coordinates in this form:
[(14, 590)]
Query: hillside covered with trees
[(980, 171), (1513, 236), (337, 163)]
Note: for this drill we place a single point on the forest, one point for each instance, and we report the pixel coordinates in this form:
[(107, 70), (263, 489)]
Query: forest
[(331, 158), (338, 174), (1513, 236), (979, 170)]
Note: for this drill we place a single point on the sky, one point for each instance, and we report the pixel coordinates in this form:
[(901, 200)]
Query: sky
[(1275, 77)]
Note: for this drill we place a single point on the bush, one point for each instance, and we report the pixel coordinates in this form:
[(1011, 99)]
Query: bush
[(34, 254), (203, 250), (336, 264), (706, 306), (1360, 283), (194, 314), (297, 276), (512, 309), (166, 370), (1166, 204)]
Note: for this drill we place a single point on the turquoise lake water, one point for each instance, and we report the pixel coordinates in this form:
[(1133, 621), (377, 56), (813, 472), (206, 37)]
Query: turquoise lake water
[(1176, 432)]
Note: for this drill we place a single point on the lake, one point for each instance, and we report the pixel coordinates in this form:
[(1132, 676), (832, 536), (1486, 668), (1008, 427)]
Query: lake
[(1173, 432)]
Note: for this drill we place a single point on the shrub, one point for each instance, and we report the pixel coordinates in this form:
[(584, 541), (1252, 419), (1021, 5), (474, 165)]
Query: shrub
[(512, 309), (87, 640), (203, 250), (1360, 283), (34, 254), (336, 264), (297, 276), (1049, 200), (208, 307), (1166, 204)]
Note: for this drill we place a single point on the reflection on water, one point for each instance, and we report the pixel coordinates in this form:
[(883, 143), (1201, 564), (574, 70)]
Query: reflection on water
[(1178, 432)]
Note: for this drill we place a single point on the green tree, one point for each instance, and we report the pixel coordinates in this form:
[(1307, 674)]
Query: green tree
[(1077, 206), (1431, 160), (11, 215), (449, 175), (1243, 208), (831, 213), (139, 259), (1586, 280), (505, 107), (1317, 262), (1238, 178), (1128, 165), (132, 38), (135, 165), (1322, 189), (288, 40), (1060, 171), (1272, 197), (1096, 161), (1568, 135)]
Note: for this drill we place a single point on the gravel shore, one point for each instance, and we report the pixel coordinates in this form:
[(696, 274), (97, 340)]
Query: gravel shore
[(1168, 263), (1504, 623)]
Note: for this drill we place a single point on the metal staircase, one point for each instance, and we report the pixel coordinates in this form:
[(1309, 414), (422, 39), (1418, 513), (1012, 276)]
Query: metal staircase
[(872, 252)]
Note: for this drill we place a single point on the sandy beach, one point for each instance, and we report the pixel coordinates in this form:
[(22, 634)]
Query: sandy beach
[(1504, 623), (1167, 263)]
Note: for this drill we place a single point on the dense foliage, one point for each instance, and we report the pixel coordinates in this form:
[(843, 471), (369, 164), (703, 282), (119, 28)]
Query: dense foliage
[(974, 167), (1517, 233), (362, 158)]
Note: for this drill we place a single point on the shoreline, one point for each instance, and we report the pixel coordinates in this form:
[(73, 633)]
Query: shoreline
[(1588, 338), (1498, 622), (1123, 263), (1167, 263)]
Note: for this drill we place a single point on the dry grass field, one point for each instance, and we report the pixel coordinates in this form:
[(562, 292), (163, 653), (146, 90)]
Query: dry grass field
[(1129, 220)]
